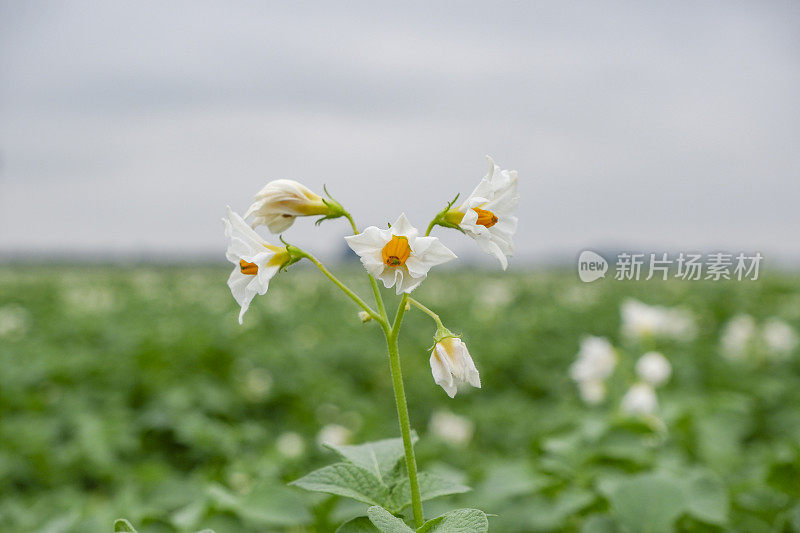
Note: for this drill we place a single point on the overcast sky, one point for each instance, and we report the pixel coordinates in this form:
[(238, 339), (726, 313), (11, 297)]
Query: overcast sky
[(126, 127)]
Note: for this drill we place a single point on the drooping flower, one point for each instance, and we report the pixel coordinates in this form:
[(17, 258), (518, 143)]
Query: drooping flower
[(397, 256), (255, 261), (653, 368), (640, 400), (281, 201), (451, 364), (595, 361), (487, 215)]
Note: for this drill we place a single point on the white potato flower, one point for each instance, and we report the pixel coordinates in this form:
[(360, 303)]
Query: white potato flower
[(290, 444), (451, 364), (256, 261), (487, 215), (451, 428), (592, 392), (653, 368), (595, 361), (737, 336), (281, 201), (640, 400), (397, 256), (641, 320), (334, 435), (779, 337)]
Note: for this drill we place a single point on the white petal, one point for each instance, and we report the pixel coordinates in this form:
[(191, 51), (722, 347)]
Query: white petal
[(279, 223), (409, 283), (367, 242), (490, 247), (442, 376), (242, 292), (402, 227), (236, 226), (388, 277), (431, 252)]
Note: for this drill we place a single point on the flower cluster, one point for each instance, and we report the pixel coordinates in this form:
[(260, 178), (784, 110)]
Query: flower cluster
[(597, 358), (595, 362), (641, 321), (743, 340), (398, 256)]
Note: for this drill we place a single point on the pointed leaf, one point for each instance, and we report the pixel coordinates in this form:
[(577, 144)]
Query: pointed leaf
[(386, 521), (458, 521), (379, 457), (348, 480), (430, 486), (361, 524), (120, 524)]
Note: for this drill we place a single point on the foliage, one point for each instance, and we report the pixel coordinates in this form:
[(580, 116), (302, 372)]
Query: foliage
[(133, 392)]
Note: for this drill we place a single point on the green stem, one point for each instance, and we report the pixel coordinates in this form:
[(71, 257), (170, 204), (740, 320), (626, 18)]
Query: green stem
[(426, 310), (372, 281), (353, 296), (431, 226), (402, 412)]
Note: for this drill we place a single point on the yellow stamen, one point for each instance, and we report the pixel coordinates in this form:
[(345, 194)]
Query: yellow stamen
[(396, 251), (249, 269), (486, 218)]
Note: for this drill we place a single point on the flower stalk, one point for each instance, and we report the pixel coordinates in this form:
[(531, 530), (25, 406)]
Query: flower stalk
[(402, 412)]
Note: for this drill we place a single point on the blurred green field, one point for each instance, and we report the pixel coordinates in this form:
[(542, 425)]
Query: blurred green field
[(133, 392)]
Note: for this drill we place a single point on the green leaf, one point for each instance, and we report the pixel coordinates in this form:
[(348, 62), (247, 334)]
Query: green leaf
[(386, 521), (120, 524), (266, 505), (649, 503), (274, 505), (458, 521), (361, 524), (430, 486), (379, 457), (707, 498), (348, 480), (599, 523)]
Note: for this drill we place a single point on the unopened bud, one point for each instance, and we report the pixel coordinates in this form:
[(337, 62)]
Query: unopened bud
[(364, 316)]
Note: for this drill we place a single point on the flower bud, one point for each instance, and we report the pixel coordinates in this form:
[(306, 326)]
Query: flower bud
[(451, 363), (364, 316), (281, 201)]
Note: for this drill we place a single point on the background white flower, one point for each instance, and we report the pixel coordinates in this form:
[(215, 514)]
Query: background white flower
[(451, 428), (653, 368), (595, 361), (334, 434), (281, 201), (780, 338), (290, 444), (640, 400), (397, 256), (488, 213), (255, 261), (452, 365), (592, 391), (737, 336), (641, 320)]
